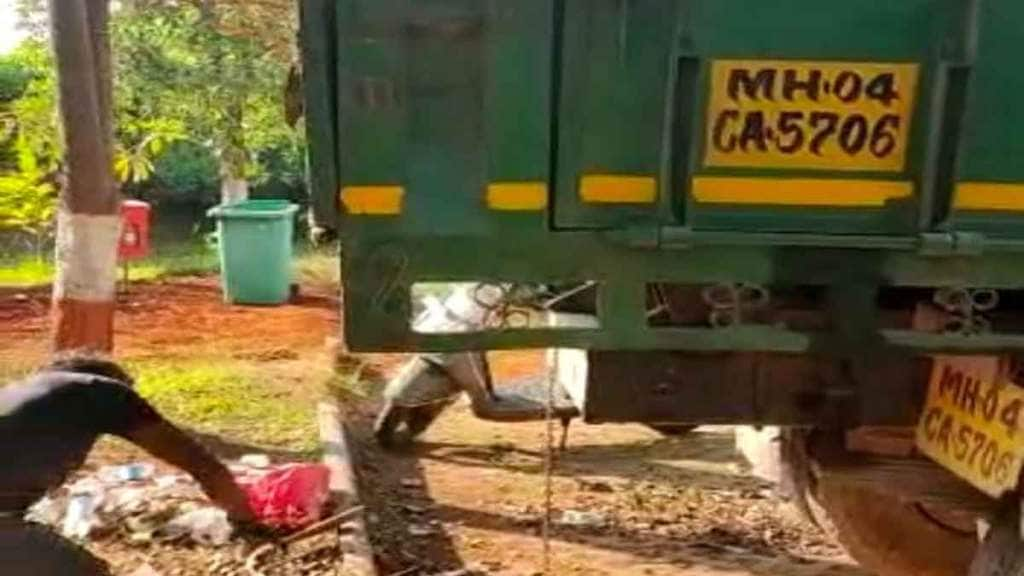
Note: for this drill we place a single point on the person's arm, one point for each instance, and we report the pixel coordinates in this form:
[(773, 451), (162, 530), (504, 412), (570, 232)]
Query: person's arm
[(119, 410), (168, 443)]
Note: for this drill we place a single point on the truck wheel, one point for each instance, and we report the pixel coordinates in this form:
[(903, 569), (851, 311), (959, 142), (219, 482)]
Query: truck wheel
[(891, 537), (1002, 552)]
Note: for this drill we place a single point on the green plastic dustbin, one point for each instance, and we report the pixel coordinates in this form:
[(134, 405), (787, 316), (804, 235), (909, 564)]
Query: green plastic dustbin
[(256, 250)]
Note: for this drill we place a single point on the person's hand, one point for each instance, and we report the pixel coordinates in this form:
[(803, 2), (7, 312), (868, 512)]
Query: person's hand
[(233, 500)]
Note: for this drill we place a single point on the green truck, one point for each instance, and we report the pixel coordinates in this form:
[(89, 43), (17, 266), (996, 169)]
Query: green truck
[(800, 215)]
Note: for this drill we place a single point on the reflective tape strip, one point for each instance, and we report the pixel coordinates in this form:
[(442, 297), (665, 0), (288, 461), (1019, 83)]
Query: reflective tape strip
[(517, 196), (373, 200), (611, 189), (993, 196), (86, 257), (799, 191)]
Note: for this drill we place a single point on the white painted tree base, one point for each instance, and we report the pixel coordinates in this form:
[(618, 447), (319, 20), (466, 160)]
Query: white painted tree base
[(86, 257)]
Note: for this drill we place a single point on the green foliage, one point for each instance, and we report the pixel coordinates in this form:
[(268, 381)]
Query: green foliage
[(197, 98), (174, 63), (186, 171), (35, 112), (29, 148), (27, 200), (14, 79), (135, 163)]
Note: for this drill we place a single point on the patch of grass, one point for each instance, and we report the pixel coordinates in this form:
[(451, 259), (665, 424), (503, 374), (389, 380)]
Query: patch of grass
[(28, 271), (229, 399), (318, 267), (170, 260), (313, 266), (176, 260)]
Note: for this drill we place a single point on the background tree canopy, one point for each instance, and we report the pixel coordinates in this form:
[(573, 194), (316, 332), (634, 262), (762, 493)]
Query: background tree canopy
[(199, 97)]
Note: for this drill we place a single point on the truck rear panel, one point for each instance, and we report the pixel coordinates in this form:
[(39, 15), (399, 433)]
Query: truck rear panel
[(849, 160)]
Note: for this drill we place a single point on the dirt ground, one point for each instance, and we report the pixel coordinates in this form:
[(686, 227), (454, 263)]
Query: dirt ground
[(469, 496), (178, 317)]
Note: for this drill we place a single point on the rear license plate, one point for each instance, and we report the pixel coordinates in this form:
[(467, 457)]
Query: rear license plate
[(971, 422), (810, 115)]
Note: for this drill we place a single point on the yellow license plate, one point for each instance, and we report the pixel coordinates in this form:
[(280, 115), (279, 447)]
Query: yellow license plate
[(810, 115), (972, 422)]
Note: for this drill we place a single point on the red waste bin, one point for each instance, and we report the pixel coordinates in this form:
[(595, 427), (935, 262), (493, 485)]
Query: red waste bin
[(134, 243)]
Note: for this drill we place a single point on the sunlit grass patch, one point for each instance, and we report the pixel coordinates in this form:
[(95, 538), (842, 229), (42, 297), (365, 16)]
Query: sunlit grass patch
[(172, 260), (230, 399)]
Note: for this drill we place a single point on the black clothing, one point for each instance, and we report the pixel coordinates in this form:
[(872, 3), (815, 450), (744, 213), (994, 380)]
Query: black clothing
[(48, 424)]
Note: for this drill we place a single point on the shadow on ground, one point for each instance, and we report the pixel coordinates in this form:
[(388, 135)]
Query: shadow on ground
[(392, 488), (414, 533)]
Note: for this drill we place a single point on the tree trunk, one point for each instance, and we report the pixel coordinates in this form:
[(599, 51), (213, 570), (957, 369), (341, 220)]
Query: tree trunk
[(234, 187), (87, 217)]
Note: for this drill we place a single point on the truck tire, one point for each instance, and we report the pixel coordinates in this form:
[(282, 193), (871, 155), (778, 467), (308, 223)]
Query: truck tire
[(1002, 552), (891, 537)]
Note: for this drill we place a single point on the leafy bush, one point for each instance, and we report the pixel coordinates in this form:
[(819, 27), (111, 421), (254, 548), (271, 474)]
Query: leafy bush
[(14, 78), (185, 172), (27, 199)]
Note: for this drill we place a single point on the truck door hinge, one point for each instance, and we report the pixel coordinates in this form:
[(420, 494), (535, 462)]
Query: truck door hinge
[(951, 244)]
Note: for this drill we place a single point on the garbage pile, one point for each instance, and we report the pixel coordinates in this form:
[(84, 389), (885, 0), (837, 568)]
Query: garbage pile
[(135, 503)]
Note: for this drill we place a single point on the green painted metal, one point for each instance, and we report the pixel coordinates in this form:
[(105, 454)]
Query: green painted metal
[(445, 97), (991, 146)]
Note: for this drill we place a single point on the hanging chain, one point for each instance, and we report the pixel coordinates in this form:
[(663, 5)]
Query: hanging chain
[(549, 461)]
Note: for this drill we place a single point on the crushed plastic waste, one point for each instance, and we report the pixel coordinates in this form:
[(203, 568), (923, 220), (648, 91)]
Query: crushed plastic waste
[(208, 526), (46, 511), (258, 461), (145, 570), (582, 519), (144, 506), (133, 472), (81, 517)]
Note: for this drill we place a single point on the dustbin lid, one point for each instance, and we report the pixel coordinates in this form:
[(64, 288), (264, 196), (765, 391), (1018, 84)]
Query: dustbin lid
[(254, 209)]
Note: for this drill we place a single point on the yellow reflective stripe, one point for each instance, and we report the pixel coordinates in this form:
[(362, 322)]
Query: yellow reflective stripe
[(798, 191), (989, 196), (607, 189), (373, 200), (515, 196)]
